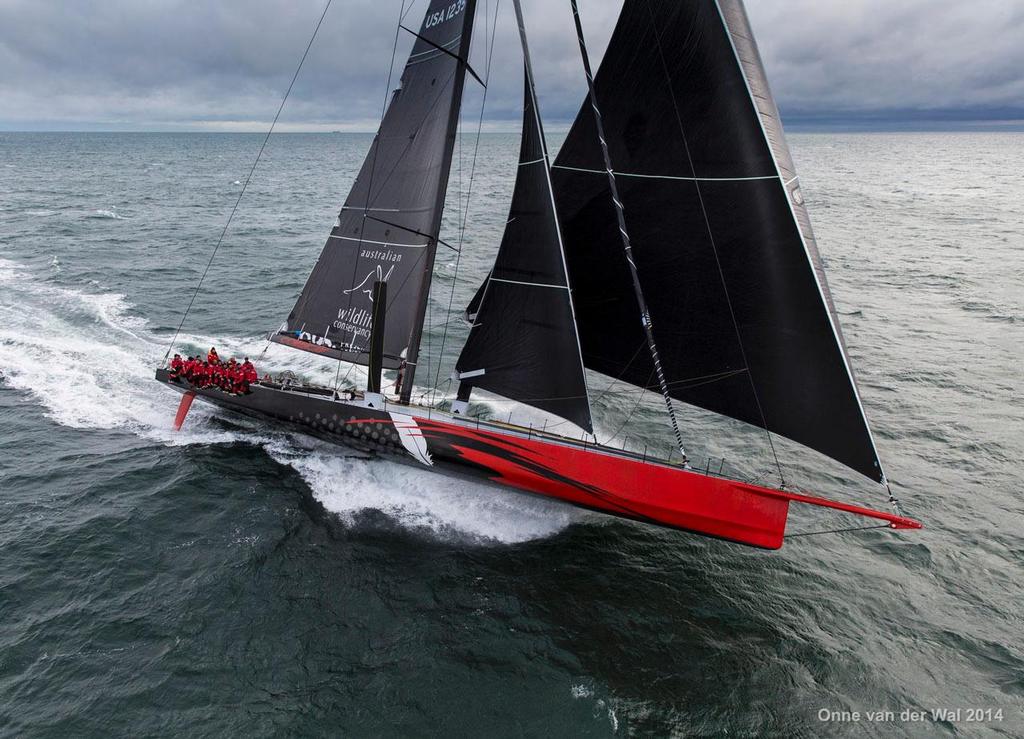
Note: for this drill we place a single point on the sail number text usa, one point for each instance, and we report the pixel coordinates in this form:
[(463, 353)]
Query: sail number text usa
[(445, 15)]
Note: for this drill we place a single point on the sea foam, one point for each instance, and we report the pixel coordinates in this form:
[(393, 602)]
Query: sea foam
[(104, 213), (88, 361)]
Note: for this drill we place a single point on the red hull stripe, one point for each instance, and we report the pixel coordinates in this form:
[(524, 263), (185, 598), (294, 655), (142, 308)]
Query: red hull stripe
[(646, 491)]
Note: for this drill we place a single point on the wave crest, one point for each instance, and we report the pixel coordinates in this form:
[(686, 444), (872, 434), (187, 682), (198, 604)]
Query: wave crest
[(89, 360)]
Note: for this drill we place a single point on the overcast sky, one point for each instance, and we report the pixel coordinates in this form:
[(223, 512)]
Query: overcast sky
[(224, 64)]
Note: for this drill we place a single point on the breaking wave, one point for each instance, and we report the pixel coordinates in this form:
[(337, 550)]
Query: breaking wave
[(112, 214), (89, 361)]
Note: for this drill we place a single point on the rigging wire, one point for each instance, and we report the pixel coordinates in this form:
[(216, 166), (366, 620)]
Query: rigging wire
[(489, 51), (893, 500), (645, 313), (838, 531), (629, 417), (406, 13), (245, 185)]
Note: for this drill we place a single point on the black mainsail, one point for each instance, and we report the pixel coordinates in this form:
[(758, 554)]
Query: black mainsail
[(388, 227), (743, 316), (523, 343)]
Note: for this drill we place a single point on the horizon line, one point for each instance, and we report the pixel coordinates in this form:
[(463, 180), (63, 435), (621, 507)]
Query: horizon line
[(939, 121)]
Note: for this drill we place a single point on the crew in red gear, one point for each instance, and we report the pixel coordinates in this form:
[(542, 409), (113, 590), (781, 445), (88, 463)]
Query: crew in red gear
[(229, 377), (249, 372), (201, 374)]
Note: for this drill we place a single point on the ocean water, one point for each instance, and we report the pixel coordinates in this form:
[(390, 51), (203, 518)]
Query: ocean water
[(233, 579)]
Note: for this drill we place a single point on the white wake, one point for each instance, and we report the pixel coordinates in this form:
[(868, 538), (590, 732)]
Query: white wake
[(88, 361)]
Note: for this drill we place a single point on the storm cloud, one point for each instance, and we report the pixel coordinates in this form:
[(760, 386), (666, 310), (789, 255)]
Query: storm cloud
[(169, 64)]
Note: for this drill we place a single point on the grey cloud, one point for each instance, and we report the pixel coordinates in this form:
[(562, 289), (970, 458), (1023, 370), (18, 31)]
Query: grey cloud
[(173, 63)]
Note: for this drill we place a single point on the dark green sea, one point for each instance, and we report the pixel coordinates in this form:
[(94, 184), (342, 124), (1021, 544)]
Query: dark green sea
[(235, 580)]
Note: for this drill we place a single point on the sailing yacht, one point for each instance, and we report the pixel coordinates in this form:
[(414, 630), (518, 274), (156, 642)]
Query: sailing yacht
[(667, 246)]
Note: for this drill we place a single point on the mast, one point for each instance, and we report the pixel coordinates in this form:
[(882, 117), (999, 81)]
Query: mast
[(416, 334), (645, 314)]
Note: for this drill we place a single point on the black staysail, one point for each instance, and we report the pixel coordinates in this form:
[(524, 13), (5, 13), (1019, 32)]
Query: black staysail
[(388, 228), (742, 313), (523, 343)]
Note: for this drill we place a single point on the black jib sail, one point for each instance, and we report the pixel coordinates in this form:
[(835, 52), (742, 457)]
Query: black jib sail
[(523, 344), (388, 228), (741, 310)]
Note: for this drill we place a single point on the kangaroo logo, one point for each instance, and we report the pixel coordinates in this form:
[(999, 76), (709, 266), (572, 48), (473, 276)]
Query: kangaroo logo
[(379, 274)]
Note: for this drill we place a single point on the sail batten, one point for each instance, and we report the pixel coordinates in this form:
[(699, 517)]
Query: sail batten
[(617, 173), (722, 242)]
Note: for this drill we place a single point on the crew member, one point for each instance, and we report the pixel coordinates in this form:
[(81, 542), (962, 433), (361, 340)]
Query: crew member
[(232, 377), (212, 357), (400, 377), (176, 367), (249, 375)]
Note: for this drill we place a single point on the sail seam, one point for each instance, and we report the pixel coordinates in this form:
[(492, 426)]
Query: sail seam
[(530, 284), (617, 173), (803, 241), (437, 46), (379, 243)]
